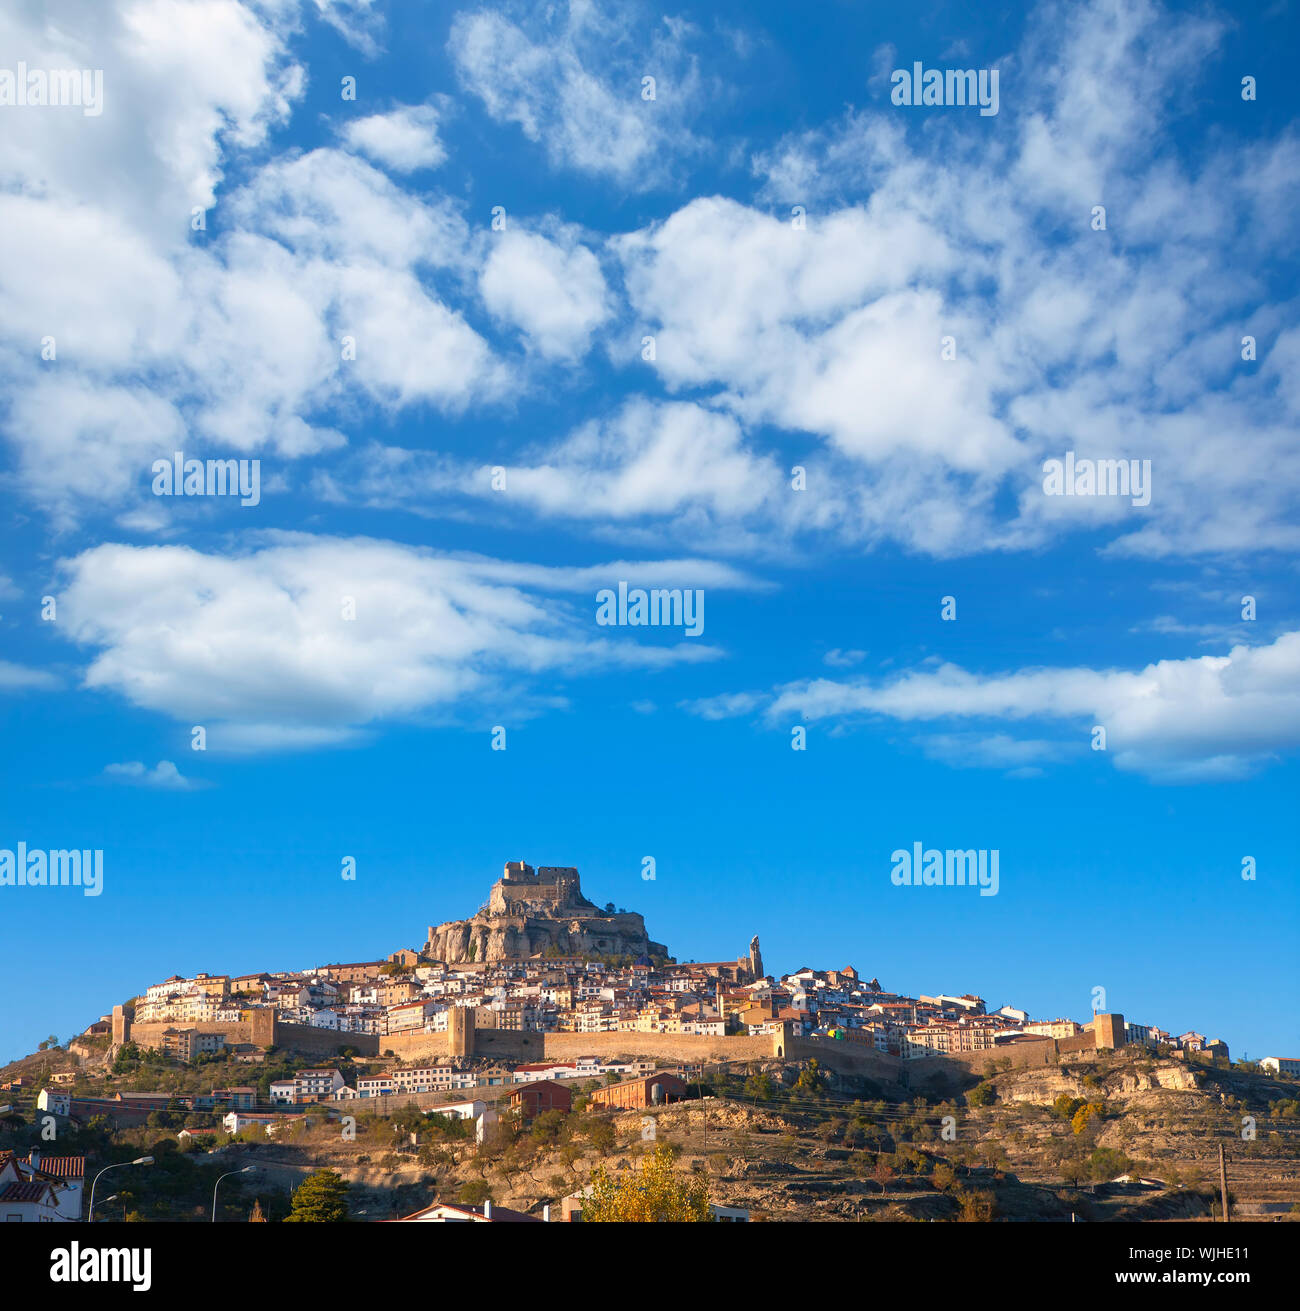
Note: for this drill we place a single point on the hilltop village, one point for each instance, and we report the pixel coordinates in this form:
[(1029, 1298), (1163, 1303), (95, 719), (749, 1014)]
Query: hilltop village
[(542, 982), (540, 1005)]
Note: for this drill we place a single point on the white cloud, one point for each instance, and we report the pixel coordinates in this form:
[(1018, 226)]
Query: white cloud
[(257, 647), (570, 76), (652, 474), (403, 140), (555, 294), (1200, 718), (233, 345), (164, 776), (360, 23), (728, 705), (1020, 757), (14, 678), (1122, 343), (648, 459), (181, 80), (778, 346), (806, 327)]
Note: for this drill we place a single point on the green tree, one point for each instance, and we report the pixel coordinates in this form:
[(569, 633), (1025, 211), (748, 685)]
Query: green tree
[(655, 1193), (473, 1192), (812, 1078), (548, 1128), (976, 1207), (601, 1133), (321, 1198), (760, 1087), (1108, 1163)]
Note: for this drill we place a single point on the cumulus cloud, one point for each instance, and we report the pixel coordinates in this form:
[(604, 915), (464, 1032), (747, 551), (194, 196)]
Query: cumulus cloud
[(233, 346), (306, 641), (673, 464), (818, 330), (403, 140), (1118, 343), (182, 82), (554, 293), (945, 321), (164, 776), (130, 316), (1205, 717), (776, 345)]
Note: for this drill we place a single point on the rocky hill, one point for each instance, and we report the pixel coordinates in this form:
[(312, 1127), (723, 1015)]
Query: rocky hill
[(538, 913), (1122, 1136), (790, 1143)]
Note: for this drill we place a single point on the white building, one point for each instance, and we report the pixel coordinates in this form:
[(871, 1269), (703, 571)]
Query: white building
[(1288, 1065), (57, 1103), (41, 1189)]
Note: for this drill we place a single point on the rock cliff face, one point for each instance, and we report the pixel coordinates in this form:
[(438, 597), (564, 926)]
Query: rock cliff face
[(1045, 1085), (537, 913)]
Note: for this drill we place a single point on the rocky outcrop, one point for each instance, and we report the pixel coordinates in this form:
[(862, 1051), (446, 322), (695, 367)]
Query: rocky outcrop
[(1044, 1085), (531, 913)]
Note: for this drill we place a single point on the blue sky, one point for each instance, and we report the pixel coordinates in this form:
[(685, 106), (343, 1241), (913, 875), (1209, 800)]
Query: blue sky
[(799, 249)]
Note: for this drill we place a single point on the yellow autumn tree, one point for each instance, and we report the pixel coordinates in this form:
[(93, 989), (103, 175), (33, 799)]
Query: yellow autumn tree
[(1086, 1112), (655, 1193)]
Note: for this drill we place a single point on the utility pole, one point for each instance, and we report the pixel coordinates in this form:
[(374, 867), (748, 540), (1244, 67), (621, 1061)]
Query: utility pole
[(1223, 1183)]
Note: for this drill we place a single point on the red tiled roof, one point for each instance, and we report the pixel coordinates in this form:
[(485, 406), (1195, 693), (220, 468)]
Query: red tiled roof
[(62, 1167), (24, 1192)]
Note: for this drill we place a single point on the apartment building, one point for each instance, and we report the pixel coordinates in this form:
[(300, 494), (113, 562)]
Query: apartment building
[(1284, 1065), (1053, 1028)]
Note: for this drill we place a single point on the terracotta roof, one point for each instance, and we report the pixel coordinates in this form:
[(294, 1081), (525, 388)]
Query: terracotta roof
[(24, 1192), (62, 1167), (523, 1089)]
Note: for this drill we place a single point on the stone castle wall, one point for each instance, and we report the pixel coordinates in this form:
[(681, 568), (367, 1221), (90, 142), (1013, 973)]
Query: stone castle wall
[(263, 1030), (690, 1047), (495, 1044)]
